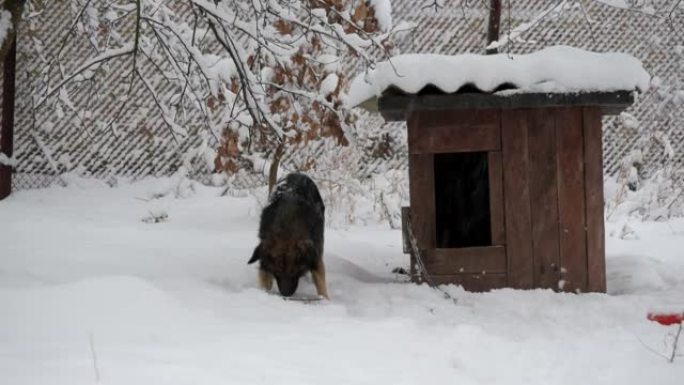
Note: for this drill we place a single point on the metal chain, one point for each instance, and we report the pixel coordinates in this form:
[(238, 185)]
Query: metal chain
[(419, 259)]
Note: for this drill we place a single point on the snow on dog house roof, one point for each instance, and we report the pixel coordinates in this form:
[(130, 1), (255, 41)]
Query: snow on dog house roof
[(554, 76)]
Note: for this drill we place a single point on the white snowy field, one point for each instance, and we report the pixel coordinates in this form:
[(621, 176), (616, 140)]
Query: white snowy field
[(89, 293)]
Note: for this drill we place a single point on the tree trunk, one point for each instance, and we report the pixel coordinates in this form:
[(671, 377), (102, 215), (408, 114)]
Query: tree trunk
[(15, 8), (494, 24), (7, 133)]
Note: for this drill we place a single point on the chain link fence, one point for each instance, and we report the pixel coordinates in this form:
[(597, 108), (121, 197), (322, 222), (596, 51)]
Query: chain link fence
[(654, 124), (50, 142)]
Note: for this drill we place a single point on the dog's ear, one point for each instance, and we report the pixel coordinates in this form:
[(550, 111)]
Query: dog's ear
[(256, 255)]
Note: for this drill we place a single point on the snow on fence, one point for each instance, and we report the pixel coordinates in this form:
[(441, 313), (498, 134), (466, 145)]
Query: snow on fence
[(47, 145)]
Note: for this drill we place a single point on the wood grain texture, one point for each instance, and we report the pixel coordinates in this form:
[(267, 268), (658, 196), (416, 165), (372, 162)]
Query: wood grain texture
[(422, 197), (455, 131), (517, 199), (396, 107), (571, 203), (544, 197), (478, 260), (471, 282), (593, 174), (405, 242), (496, 198)]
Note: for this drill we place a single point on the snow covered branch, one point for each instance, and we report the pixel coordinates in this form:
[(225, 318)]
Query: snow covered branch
[(10, 15), (254, 74)]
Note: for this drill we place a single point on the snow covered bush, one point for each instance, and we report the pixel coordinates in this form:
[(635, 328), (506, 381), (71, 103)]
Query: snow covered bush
[(349, 198), (659, 196), (649, 184)]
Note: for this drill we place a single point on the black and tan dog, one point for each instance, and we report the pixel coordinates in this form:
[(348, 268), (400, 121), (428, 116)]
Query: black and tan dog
[(291, 236)]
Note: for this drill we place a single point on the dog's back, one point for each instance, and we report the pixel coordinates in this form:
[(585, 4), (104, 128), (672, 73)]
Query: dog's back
[(295, 210)]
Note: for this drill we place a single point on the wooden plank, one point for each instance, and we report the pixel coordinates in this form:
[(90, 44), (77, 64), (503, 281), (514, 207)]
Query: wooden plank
[(544, 195), (517, 199), (405, 242), (422, 194), (496, 198), (455, 131), (593, 174), (471, 282), (394, 107), (491, 259), (571, 204), (422, 197), (448, 117)]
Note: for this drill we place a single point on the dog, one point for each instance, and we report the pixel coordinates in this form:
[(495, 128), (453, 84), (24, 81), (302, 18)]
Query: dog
[(291, 236)]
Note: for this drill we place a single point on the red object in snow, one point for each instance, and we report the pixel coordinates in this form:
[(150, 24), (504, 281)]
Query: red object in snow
[(666, 318)]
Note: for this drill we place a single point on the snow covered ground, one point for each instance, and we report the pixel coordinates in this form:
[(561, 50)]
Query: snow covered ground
[(90, 293)]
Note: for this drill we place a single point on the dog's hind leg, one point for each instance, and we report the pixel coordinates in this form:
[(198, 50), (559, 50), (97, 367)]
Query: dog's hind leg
[(265, 280), (318, 275)]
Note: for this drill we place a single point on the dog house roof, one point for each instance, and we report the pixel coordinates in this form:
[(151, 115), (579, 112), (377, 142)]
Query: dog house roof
[(558, 75)]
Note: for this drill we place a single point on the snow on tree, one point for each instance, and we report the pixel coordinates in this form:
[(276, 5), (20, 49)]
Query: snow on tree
[(10, 15), (256, 80)]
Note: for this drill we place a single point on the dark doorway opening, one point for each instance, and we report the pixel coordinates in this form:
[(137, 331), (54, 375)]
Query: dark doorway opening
[(462, 200)]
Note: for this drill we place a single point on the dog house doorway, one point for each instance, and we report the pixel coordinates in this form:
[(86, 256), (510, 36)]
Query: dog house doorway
[(462, 201)]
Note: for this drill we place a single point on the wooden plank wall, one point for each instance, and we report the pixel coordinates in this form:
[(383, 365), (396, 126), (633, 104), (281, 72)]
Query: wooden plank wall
[(467, 260), (454, 131), (476, 268), (496, 200), (571, 201), (517, 210), (593, 172), (422, 195), (544, 197), (553, 187)]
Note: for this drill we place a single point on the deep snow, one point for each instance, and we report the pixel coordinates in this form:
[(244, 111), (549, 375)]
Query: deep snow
[(85, 283)]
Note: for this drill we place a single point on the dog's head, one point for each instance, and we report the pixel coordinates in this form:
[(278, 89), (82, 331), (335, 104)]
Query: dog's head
[(286, 260)]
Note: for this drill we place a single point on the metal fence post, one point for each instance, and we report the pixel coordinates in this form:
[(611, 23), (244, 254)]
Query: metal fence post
[(494, 24), (7, 134)]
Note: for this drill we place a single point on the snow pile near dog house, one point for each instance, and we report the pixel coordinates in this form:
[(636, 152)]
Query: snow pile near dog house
[(557, 69)]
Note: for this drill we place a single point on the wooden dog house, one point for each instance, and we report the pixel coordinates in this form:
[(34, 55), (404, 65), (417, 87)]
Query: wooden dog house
[(505, 162), (507, 191)]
